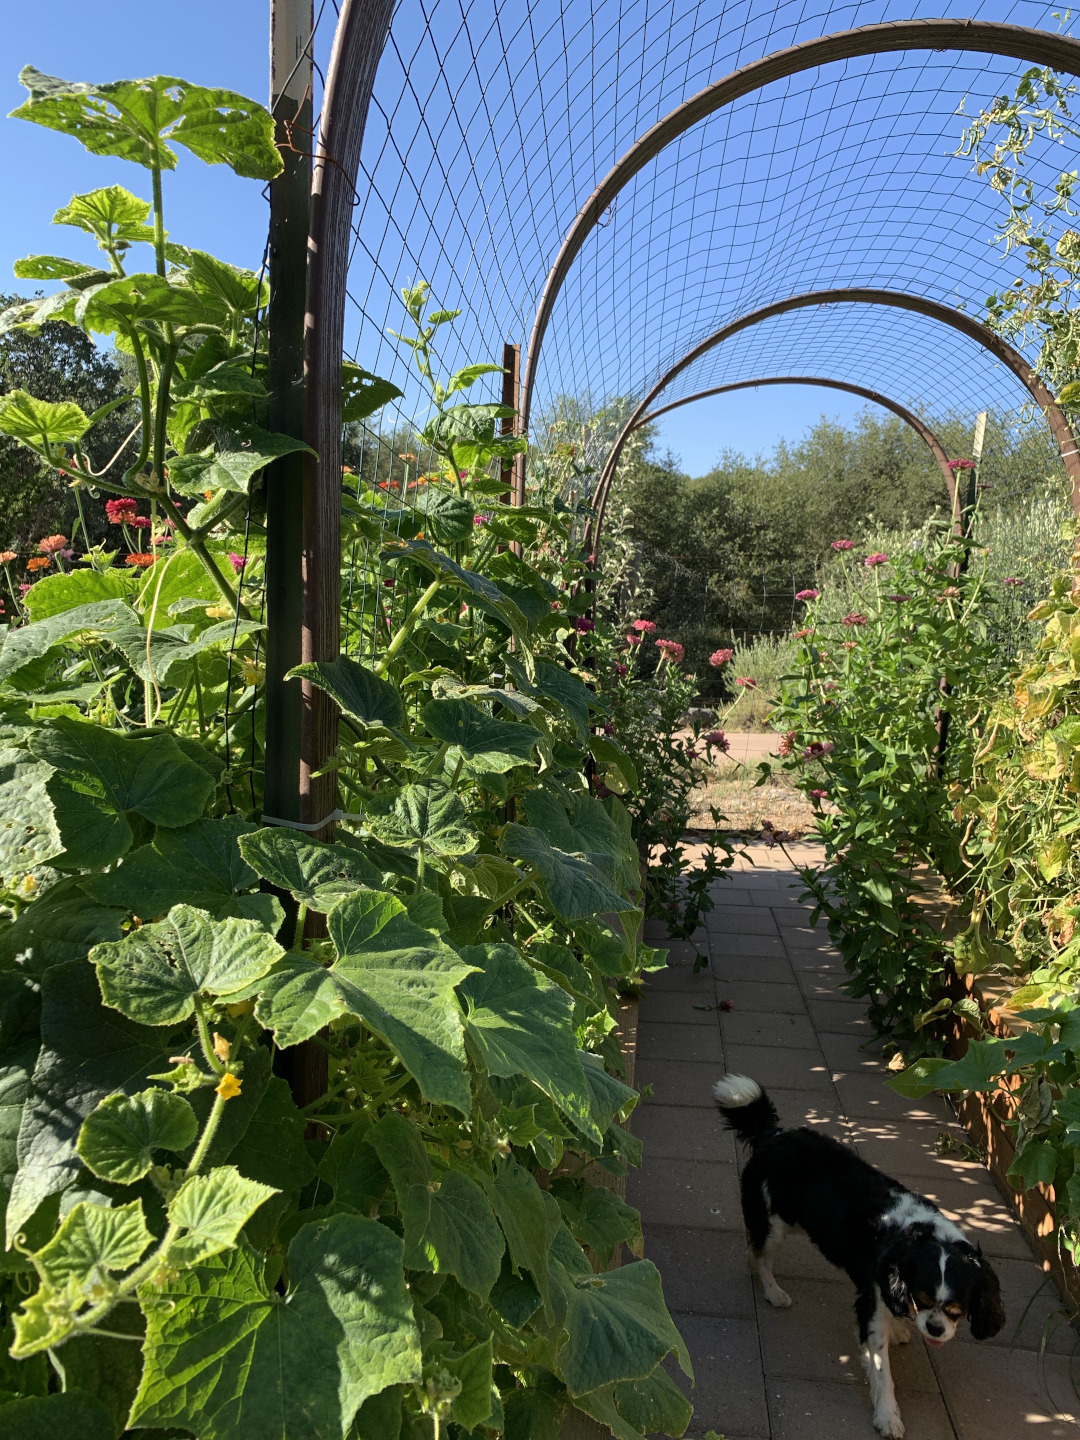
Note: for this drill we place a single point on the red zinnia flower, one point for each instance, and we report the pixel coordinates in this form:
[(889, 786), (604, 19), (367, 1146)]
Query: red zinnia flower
[(584, 625), (620, 670), (120, 510), (746, 680), (719, 740), (644, 627)]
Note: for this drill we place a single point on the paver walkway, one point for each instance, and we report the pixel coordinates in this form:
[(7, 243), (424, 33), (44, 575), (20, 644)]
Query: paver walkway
[(795, 1374)]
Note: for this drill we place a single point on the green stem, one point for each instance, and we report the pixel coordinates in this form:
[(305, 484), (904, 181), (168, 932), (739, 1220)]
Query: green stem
[(234, 503), (301, 921), (213, 1121), (181, 700), (159, 221), (161, 416), (145, 409), (408, 625), (205, 1041), (198, 696), (194, 543), (420, 868)]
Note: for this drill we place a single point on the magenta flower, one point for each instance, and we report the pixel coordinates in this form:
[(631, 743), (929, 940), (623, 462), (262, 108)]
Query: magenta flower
[(237, 562), (818, 794), (854, 619), (747, 681), (141, 522), (961, 464), (719, 740), (584, 625), (1013, 580), (609, 728), (899, 599), (720, 657), (480, 519), (644, 627), (843, 544), (876, 559), (620, 670), (808, 595)]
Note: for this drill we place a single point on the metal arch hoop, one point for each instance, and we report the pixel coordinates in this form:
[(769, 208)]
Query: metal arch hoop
[(920, 427), (359, 40), (982, 36), (856, 295)]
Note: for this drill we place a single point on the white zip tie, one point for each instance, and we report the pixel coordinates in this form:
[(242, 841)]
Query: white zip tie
[(299, 825)]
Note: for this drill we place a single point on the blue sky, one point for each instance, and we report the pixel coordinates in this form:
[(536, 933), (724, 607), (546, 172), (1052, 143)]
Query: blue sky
[(680, 280)]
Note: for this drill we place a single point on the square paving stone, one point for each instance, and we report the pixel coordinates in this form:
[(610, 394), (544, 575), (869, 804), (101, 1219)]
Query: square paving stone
[(765, 969), (1002, 1395), (974, 1204), (762, 1027), (740, 920), (676, 1007), (678, 979), (739, 944), (907, 1151), (818, 960), (818, 1410), (680, 953), (705, 1272), (779, 999), (729, 1394), (867, 1097), (817, 1339), (679, 1042), (731, 893), (841, 1018), (790, 1069), (701, 1194), (853, 1052), (778, 899), (677, 1132), (817, 1110), (679, 1082)]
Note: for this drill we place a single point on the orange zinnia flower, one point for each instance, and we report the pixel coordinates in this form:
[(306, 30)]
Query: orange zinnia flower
[(39, 562), (144, 559)]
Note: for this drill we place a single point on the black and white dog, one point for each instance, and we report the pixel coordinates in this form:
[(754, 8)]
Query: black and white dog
[(906, 1260)]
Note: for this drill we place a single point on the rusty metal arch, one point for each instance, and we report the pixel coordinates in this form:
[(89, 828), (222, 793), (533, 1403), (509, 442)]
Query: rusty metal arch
[(925, 434), (982, 36), (855, 295), (359, 40)]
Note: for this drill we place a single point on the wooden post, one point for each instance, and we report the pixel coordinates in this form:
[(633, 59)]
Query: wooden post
[(511, 387), (290, 193)]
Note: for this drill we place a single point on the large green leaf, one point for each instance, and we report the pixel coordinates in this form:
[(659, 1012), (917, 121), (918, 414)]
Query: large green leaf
[(446, 516), (118, 1139), (103, 774), (135, 120), (91, 1241), (319, 875), (528, 1221), (239, 453), (486, 744), (617, 1327), (20, 1040), (109, 214), (362, 393), (396, 977), (596, 1217), (574, 887), (635, 1408), (61, 926), (154, 973), (87, 1052), (588, 830), (55, 594), (428, 813), (365, 699), (229, 1359), (28, 831), (449, 1226), (55, 1417), (521, 1023), (42, 424), (479, 586), (211, 1210), (609, 1096), (198, 865), (272, 1148), (84, 623), (554, 682), (136, 302)]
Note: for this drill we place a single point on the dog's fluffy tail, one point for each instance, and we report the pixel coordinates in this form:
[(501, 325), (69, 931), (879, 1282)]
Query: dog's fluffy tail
[(746, 1107)]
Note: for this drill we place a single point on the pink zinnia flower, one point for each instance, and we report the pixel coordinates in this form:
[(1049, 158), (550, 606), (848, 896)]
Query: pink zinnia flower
[(52, 544), (961, 464), (802, 634), (633, 639), (718, 739), (843, 544), (584, 625), (1013, 580), (671, 650), (817, 748), (808, 595), (142, 522), (818, 794), (620, 670), (720, 657), (237, 562), (609, 728), (644, 627), (899, 599), (480, 519), (120, 510), (854, 619), (876, 559), (746, 680)]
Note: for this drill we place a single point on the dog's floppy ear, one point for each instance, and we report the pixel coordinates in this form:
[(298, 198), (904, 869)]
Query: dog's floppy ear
[(986, 1313), (894, 1290)]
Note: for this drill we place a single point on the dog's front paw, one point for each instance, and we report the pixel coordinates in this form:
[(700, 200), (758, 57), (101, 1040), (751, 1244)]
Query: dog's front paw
[(888, 1424), (777, 1298)]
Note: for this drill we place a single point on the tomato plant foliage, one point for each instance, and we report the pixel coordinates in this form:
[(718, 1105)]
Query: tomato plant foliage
[(417, 1252)]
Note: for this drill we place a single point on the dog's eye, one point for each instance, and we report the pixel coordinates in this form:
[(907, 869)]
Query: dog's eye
[(924, 1301), (954, 1312)]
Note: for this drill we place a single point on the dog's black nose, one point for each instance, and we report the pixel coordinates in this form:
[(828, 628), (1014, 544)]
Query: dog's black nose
[(935, 1328)]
